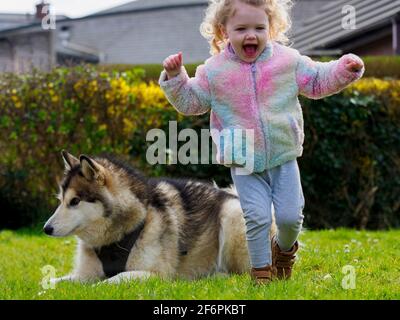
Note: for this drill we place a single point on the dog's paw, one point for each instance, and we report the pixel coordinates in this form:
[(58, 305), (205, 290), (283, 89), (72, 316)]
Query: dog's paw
[(55, 281), (128, 276), (112, 280)]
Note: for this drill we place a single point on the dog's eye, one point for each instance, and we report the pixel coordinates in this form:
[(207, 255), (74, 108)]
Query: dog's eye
[(74, 202)]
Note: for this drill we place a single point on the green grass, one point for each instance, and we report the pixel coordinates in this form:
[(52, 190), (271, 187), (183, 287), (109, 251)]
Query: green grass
[(317, 274)]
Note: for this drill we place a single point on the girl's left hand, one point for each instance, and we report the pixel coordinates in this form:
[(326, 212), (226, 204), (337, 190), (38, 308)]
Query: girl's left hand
[(353, 64)]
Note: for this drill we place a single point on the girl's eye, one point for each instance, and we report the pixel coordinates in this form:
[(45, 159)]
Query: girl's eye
[(260, 28), (74, 202), (239, 29)]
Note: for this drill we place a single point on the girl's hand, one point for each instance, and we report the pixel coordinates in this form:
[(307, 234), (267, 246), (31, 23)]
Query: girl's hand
[(173, 64), (353, 64)]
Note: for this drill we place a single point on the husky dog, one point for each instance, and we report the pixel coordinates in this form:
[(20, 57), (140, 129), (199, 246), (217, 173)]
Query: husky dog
[(131, 227)]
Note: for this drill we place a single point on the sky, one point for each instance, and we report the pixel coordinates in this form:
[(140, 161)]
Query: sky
[(70, 8)]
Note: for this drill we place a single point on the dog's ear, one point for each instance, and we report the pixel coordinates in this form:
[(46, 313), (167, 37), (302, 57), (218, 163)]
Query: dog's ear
[(92, 170), (69, 160)]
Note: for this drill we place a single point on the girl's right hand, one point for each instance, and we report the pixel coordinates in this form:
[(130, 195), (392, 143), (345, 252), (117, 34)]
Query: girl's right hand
[(173, 64)]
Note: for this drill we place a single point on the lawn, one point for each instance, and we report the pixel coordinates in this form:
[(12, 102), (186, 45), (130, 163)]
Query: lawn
[(332, 264)]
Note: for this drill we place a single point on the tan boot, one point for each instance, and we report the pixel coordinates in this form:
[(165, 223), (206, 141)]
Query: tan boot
[(283, 260), (263, 275)]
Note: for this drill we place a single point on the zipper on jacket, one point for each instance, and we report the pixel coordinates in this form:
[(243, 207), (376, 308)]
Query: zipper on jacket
[(253, 73)]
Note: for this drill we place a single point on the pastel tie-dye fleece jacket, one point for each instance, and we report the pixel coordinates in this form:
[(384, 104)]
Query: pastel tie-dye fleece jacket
[(261, 96)]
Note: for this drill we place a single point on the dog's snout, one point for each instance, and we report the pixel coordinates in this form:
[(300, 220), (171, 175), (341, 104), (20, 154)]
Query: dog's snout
[(48, 230)]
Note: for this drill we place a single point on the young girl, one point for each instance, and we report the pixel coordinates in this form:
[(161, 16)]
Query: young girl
[(252, 81)]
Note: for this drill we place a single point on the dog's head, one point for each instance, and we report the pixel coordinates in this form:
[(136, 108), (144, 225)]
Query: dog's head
[(84, 198)]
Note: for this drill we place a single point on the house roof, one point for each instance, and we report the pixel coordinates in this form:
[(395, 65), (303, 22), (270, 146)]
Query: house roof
[(12, 20), (21, 29), (303, 10), (324, 30)]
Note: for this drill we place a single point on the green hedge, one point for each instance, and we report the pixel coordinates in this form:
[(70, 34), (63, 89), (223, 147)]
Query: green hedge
[(349, 167), (151, 71), (375, 66), (378, 66)]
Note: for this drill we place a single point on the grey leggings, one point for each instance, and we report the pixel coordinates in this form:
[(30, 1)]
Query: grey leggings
[(280, 186)]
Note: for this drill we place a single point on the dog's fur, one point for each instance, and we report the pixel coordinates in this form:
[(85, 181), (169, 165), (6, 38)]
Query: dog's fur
[(191, 229)]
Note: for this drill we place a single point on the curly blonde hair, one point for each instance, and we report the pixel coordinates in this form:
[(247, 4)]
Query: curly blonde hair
[(219, 11)]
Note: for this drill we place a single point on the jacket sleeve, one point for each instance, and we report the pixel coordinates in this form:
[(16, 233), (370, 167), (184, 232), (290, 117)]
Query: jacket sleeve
[(190, 96), (320, 79)]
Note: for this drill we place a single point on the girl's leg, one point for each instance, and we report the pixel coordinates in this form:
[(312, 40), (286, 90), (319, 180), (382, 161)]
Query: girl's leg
[(288, 199), (255, 199)]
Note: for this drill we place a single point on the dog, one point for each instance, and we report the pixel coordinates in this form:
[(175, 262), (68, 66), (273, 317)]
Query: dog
[(130, 226)]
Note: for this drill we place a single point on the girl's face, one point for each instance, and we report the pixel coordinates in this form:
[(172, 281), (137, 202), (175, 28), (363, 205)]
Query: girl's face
[(247, 31)]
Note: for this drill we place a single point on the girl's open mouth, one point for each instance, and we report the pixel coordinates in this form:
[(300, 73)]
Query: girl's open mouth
[(250, 50)]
